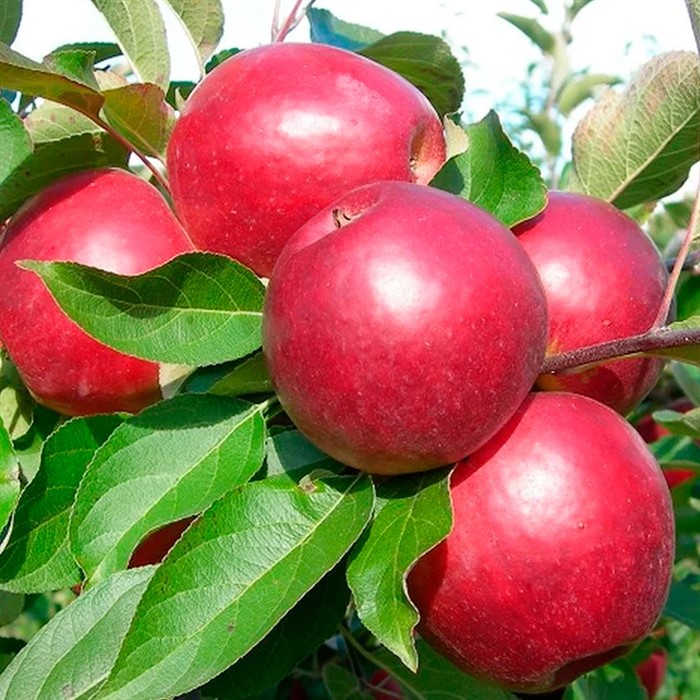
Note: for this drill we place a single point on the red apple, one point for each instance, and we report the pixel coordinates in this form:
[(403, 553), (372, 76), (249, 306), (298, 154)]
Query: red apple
[(561, 551), (651, 431), (383, 686), (652, 671), (604, 280), (109, 219), (276, 133), (154, 547), (402, 328)]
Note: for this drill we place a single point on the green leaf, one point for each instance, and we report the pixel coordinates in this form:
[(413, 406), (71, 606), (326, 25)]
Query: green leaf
[(342, 684), (234, 574), (197, 309), (28, 446), (10, 17), (617, 681), (689, 353), (576, 7), (9, 481), (101, 50), (250, 376), (300, 632), (171, 461), (203, 21), (547, 129), (291, 455), (76, 64), (533, 30), (694, 11), (38, 556), (580, 88), (671, 450), (427, 62), (680, 423), (542, 5), (178, 92), (11, 606), (17, 72), (326, 28), (494, 175), (15, 143), (437, 678), (639, 145), (16, 404), (73, 653), (140, 113), (218, 58), (65, 141), (413, 514), (688, 379), (140, 31), (683, 605)]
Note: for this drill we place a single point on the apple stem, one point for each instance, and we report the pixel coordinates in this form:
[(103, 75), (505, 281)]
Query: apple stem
[(691, 234), (160, 178), (655, 339), (293, 18)]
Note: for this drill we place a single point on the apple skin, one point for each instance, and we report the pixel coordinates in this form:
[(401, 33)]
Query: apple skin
[(561, 551), (604, 280), (110, 219), (154, 547), (402, 328), (651, 431), (652, 671), (276, 133), (383, 686)]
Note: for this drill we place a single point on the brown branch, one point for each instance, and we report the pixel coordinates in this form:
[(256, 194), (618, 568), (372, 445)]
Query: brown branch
[(690, 235), (130, 147), (293, 18), (658, 339)]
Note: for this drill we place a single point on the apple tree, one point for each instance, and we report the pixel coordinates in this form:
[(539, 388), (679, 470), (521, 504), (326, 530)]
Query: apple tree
[(313, 386)]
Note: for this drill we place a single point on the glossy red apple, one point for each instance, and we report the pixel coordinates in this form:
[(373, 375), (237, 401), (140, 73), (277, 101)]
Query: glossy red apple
[(560, 556), (276, 133), (109, 219), (651, 431), (604, 280), (154, 547), (402, 328)]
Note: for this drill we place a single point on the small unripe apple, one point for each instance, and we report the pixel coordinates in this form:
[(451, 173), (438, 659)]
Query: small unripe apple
[(276, 133), (402, 328), (110, 219), (561, 551), (604, 280)]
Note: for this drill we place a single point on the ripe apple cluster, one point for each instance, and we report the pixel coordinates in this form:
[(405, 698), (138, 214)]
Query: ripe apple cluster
[(404, 329)]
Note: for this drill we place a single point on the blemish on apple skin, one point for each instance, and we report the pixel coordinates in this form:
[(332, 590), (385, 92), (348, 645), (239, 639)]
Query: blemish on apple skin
[(581, 525)]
